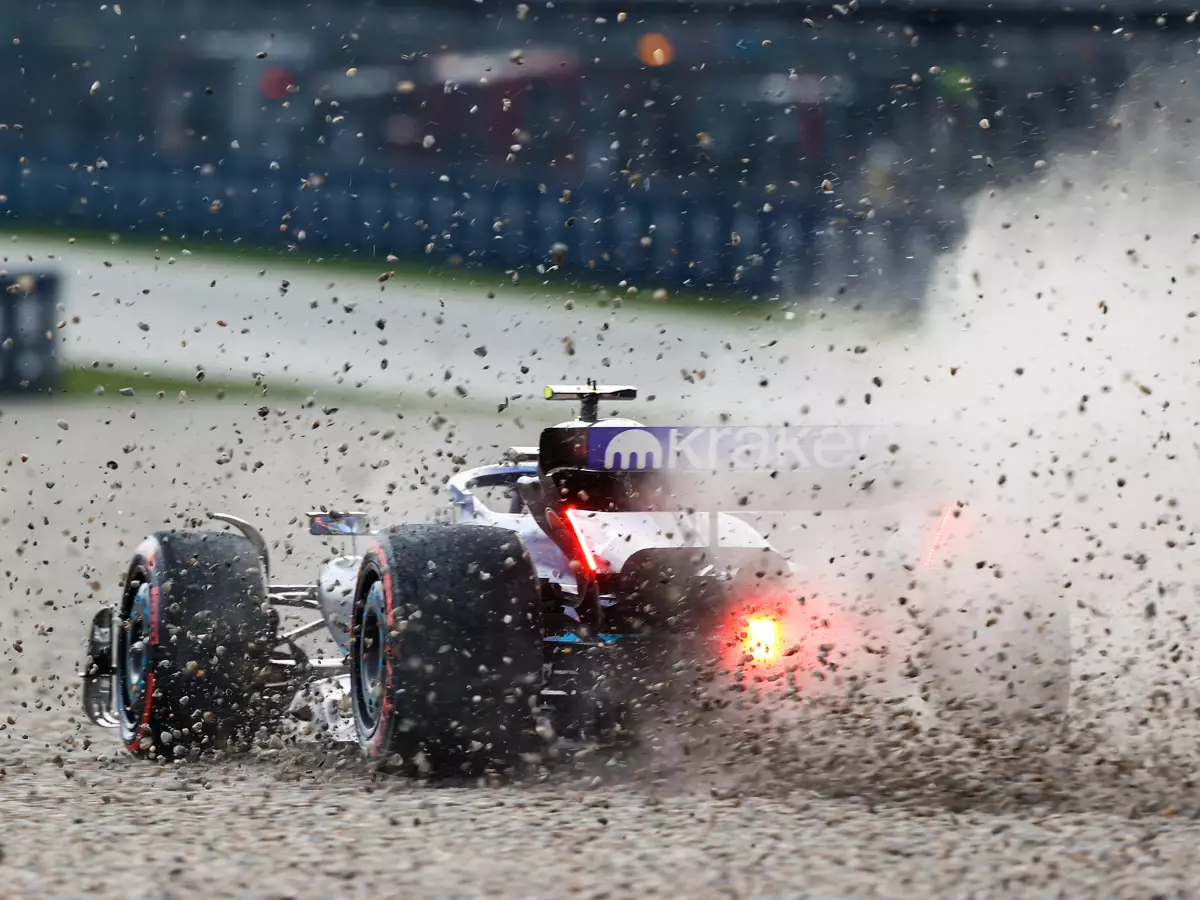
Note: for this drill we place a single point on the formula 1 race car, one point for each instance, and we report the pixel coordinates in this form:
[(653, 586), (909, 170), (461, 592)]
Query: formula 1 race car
[(460, 645)]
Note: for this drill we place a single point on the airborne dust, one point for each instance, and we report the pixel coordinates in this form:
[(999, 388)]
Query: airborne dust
[(1027, 580)]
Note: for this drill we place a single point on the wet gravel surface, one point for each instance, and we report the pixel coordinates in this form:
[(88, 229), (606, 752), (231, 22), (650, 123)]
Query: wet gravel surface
[(830, 799), (296, 828)]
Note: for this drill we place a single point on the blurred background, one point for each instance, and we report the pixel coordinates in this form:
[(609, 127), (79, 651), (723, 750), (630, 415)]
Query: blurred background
[(974, 220), (762, 149)]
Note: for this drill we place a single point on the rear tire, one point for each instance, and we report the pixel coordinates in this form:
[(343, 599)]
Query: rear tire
[(194, 638), (446, 649)]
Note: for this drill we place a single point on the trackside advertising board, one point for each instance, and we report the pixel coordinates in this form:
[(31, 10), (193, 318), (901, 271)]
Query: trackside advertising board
[(28, 332)]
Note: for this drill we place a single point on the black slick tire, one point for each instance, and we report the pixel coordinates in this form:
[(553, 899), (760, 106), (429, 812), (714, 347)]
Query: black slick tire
[(194, 638), (446, 649)]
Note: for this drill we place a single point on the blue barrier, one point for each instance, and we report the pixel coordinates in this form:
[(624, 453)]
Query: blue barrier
[(649, 237), (28, 342)]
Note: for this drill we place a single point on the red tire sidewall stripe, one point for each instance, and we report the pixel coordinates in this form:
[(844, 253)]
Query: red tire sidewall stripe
[(149, 552), (381, 730)]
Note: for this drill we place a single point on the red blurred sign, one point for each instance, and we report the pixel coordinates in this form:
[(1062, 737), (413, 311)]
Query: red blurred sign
[(275, 83)]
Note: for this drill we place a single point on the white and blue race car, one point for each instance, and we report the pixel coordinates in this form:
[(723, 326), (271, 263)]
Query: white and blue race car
[(458, 645)]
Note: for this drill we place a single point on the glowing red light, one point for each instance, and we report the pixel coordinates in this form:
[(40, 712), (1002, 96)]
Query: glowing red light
[(589, 558)]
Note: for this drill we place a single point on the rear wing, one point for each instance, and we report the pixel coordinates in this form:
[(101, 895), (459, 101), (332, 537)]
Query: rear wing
[(589, 395), (587, 391)]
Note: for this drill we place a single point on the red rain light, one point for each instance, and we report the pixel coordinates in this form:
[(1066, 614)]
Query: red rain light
[(762, 639)]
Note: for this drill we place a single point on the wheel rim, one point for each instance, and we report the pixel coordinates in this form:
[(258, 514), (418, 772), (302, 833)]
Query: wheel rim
[(370, 647), (134, 657)]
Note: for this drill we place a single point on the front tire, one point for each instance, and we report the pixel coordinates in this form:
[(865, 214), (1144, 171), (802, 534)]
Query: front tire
[(446, 649)]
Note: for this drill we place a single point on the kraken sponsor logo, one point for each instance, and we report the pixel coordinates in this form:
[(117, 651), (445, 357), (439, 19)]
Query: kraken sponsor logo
[(633, 449), (735, 448)]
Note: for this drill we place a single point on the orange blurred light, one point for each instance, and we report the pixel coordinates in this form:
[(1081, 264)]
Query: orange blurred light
[(762, 638), (655, 49)]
